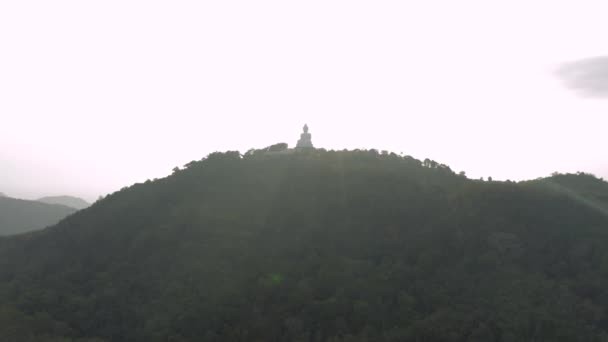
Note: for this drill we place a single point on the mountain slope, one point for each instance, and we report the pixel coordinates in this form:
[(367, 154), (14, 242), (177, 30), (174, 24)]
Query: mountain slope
[(314, 246), (20, 216), (584, 188), (68, 201)]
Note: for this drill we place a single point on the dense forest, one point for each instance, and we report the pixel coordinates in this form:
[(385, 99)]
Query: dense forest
[(20, 216), (314, 246)]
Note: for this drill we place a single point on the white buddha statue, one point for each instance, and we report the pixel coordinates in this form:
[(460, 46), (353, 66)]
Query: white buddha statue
[(305, 139)]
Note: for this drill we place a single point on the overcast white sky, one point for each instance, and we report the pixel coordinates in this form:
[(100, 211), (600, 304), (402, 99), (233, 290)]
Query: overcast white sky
[(96, 95)]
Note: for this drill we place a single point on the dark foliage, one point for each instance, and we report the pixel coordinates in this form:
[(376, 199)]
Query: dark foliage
[(315, 246)]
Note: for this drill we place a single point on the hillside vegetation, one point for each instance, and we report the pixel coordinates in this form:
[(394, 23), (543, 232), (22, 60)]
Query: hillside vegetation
[(316, 246), (20, 216), (581, 186)]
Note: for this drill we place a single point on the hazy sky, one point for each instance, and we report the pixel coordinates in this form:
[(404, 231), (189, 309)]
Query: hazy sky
[(96, 95)]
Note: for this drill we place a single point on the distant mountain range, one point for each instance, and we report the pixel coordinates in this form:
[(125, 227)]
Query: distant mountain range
[(20, 216), (68, 201)]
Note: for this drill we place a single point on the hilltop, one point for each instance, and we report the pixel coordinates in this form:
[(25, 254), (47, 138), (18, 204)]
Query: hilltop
[(68, 201), (20, 216), (316, 245)]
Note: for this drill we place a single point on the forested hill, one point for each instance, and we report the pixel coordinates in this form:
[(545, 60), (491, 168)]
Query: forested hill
[(581, 186), (20, 216), (68, 201), (315, 246)]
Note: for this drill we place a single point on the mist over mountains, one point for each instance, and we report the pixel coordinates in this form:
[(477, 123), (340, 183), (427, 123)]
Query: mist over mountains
[(317, 245), (21, 216), (68, 201), (102, 100)]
